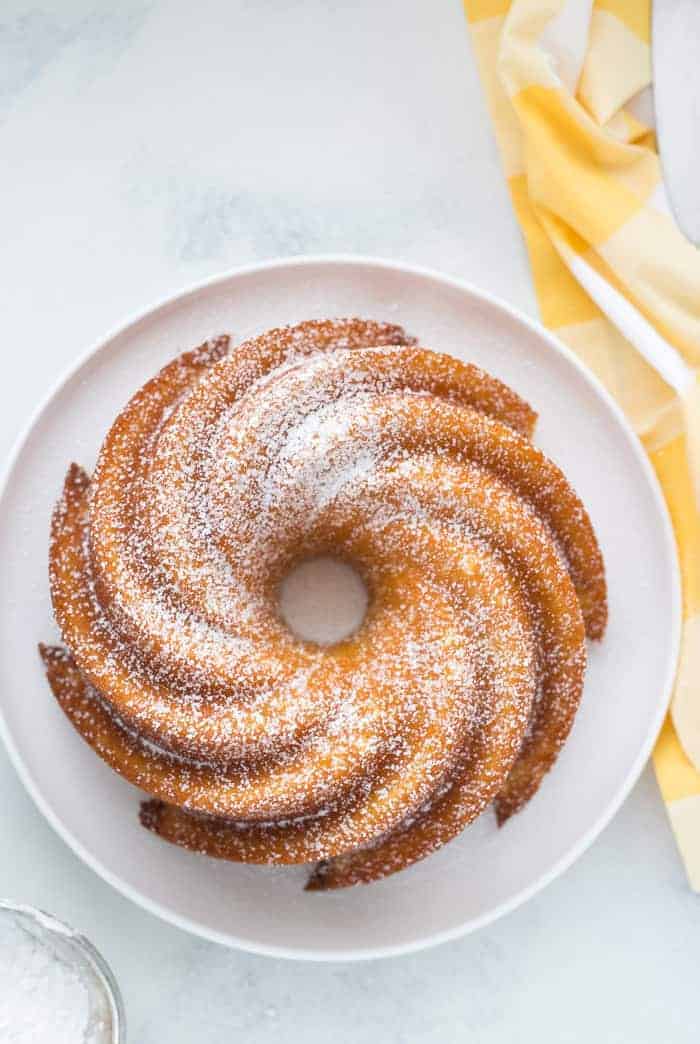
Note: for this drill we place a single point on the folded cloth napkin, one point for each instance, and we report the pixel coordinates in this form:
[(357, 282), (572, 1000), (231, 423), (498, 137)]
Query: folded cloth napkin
[(568, 83)]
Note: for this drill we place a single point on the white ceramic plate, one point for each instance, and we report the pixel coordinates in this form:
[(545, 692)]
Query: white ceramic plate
[(486, 871)]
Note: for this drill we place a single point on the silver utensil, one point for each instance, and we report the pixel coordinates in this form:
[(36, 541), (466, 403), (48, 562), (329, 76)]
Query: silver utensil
[(675, 46)]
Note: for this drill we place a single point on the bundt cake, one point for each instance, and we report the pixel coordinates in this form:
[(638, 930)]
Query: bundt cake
[(228, 469)]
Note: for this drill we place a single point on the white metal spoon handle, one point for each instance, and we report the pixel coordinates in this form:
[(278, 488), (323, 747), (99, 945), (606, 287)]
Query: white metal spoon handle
[(675, 47)]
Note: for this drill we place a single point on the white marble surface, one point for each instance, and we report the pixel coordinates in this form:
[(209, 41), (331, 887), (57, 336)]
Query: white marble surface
[(148, 144)]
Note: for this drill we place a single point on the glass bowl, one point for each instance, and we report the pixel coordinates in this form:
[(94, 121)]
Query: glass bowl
[(53, 941)]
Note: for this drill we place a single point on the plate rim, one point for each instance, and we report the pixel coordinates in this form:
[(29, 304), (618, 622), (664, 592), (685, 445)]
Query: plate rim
[(576, 850)]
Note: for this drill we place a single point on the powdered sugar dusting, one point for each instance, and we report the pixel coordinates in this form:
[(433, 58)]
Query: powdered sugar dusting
[(332, 438)]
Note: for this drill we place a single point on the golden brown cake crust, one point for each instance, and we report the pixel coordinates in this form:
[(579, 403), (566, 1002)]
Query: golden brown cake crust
[(338, 437)]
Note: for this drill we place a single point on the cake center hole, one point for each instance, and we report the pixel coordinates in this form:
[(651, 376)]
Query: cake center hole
[(323, 600)]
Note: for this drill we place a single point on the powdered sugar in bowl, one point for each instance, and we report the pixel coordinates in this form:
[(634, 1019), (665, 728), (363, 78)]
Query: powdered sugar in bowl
[(56, 988)]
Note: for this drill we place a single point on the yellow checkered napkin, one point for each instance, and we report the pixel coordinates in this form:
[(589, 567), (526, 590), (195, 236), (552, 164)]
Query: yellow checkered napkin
[(568, 83)]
